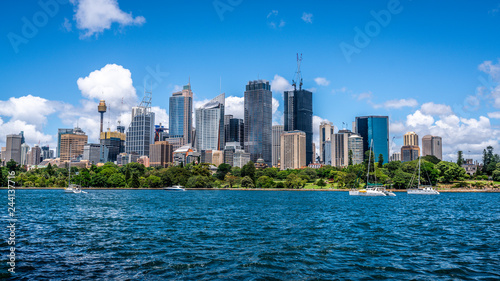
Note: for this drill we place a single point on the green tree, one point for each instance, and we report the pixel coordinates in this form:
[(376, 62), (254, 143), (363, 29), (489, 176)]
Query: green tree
[(265, 182), (320, 183), (49, 170), (282, 175), (271, 172), (12, 166), (198, 182), (230, 179), (247, 182), (380, 160), (222, 171), (449, 171), (153, 181), (294, 181), (98, 180), (134, 181), (431, 158), (116, 180), (127, 174), (460, 159), (248, 170), (350, 157), (310, 173)]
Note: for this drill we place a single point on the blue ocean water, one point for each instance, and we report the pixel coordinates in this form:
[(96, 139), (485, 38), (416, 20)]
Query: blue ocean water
[(253, 235)]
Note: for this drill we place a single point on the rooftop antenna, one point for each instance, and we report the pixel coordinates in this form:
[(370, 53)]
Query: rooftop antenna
[(298, 75)]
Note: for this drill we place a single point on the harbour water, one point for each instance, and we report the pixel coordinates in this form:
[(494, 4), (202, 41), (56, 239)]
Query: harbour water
[(253, 235)]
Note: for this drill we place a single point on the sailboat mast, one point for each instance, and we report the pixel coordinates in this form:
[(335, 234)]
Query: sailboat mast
[(69, 166), (369, 162), (418, 172)]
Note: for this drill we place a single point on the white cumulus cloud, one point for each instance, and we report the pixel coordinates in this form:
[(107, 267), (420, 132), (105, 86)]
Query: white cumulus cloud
[(321, 81), (434, 109), (280, 84), (396, 104), (307, 17), (95, 16)]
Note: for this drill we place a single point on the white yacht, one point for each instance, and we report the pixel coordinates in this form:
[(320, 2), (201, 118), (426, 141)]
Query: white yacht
[(421, 189), (371, 189), (72, 188), (175, 188)]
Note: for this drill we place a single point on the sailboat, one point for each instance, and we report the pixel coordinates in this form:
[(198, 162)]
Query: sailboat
[(421, 189), (371, 189)]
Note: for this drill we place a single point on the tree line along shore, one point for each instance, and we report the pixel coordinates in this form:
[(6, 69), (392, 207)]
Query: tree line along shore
[(395, 175)]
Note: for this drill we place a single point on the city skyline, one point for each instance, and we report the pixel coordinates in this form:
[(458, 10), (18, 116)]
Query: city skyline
[(47, 87)]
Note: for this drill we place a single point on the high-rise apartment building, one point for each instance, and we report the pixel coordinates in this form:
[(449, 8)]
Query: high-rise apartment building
[(161, 154), (376, 129), (13, 148), (71, 146), (140, 133), (35, 155), (326, 133), (181, 114), (258, 120), (298, 116), (432, 145), (356, 146), (277, 131), (210, 125), (340, 146), (293, 150)]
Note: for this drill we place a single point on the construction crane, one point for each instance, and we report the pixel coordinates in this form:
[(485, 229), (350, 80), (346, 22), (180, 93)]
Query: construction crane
[(298, 75)]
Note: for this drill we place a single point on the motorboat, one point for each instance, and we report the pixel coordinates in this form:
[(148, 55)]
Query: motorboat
[(174, 188)]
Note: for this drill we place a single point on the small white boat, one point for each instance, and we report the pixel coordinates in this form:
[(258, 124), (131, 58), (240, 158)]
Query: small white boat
[(74, 188), (423, 190), (372, 191), (175, 188)]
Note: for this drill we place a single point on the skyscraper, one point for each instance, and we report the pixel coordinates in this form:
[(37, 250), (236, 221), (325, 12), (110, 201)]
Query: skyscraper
[(35, 155), (25, 148), (410, 138), (181, 114), (326, 131), (298, 116), (277, 130), (13, 148), (210, 125), (140, 133), (356, 146), (293, 150), (61, 132), (72, 144), (114, 142), (236, 131), (432, 145), (258, 120), (162, 153), (410, 150), (227, 119), (340, 144), (374, 128)]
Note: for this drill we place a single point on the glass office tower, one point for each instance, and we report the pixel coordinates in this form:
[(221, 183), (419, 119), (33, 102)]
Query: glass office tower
[(210, 125), (181, 114), (298, 116), (374, 128), (258, 120)]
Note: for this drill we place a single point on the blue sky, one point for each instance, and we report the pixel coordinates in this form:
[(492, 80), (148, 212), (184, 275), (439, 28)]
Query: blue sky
[(433, 68)]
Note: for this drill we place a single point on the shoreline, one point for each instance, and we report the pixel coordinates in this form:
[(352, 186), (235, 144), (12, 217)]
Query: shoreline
[(457, 190)]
